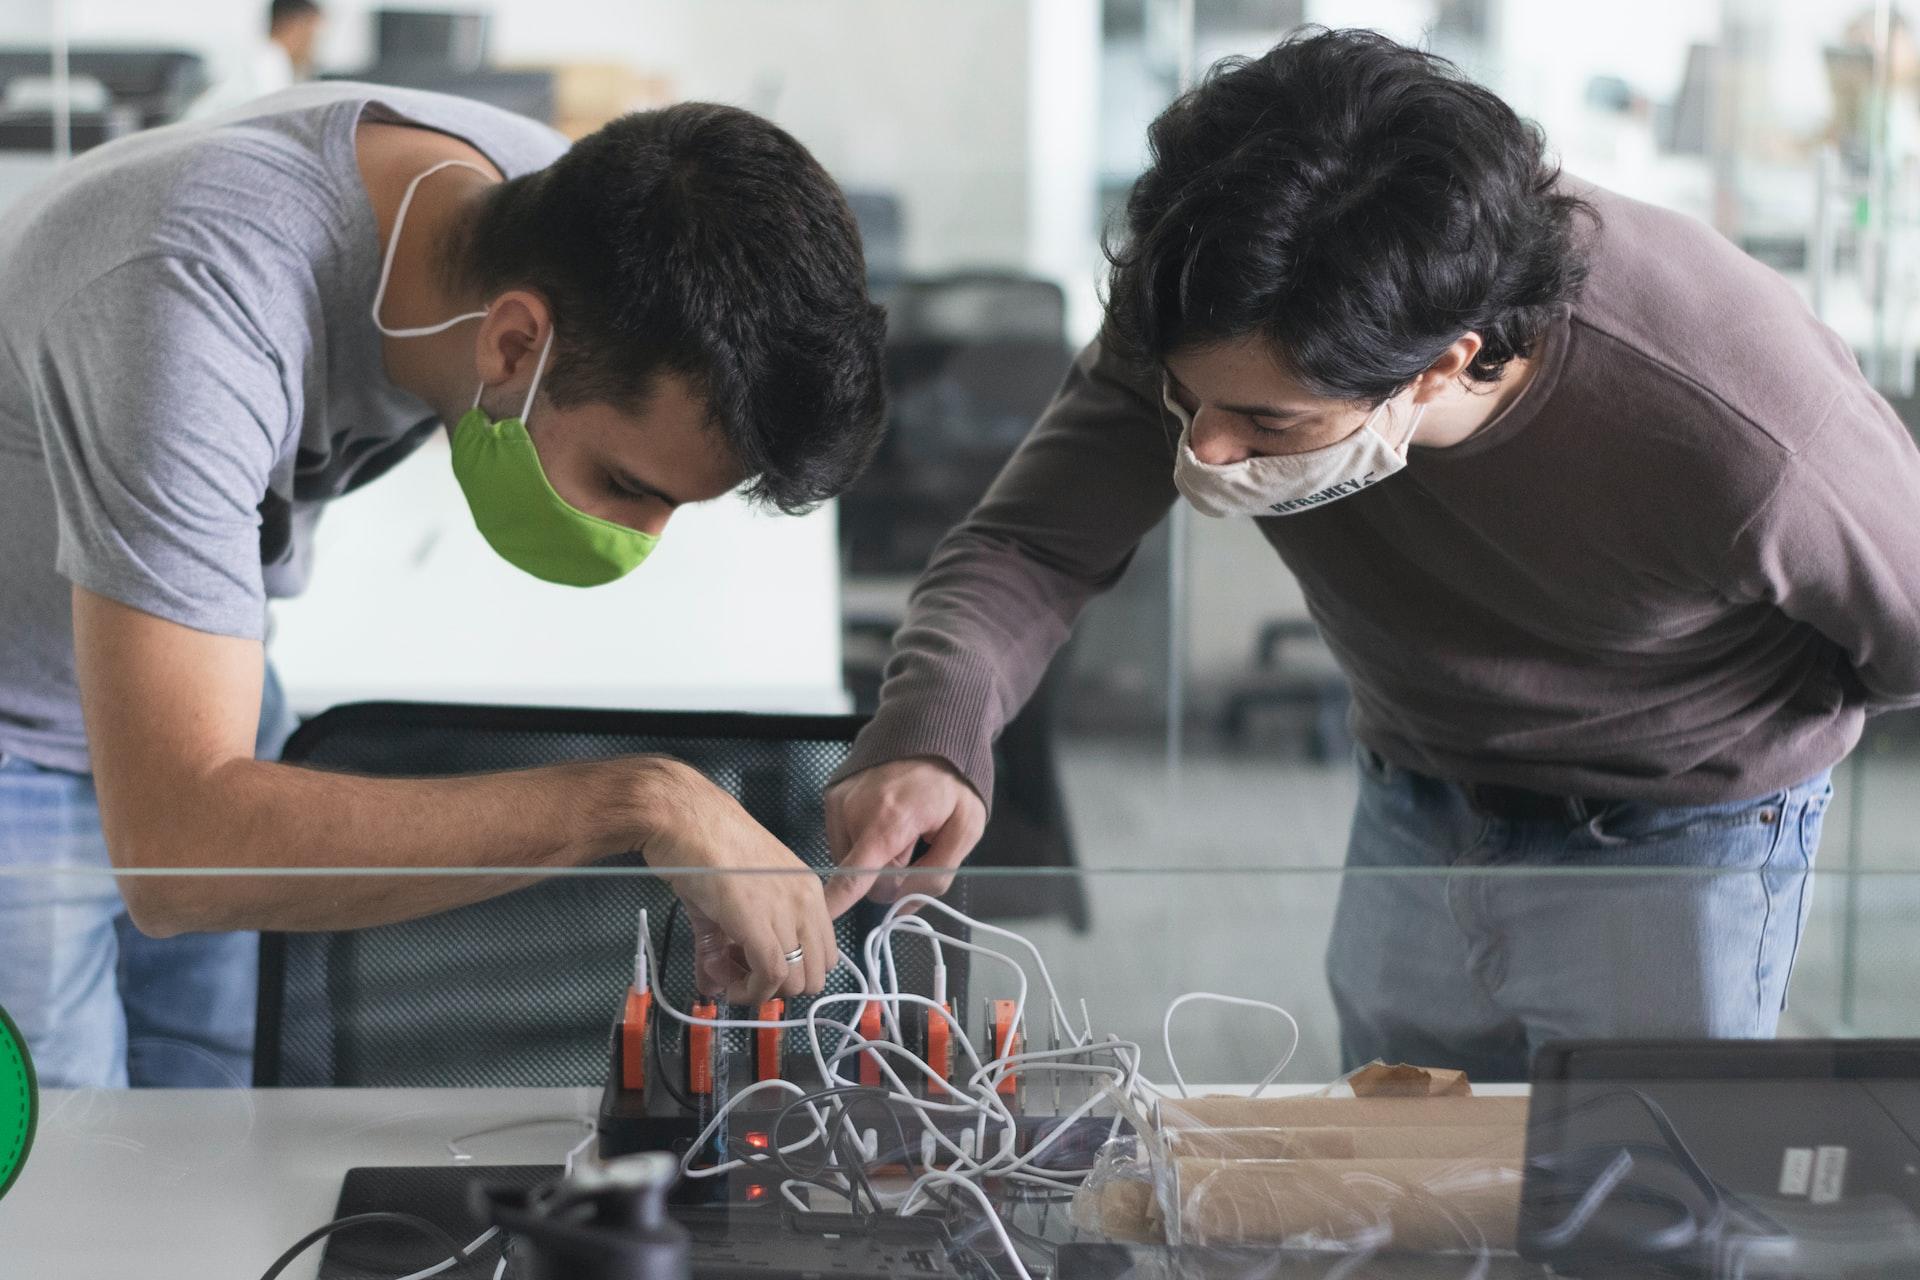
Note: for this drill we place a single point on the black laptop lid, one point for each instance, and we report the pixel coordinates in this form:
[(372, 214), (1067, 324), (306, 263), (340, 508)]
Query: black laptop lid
[(1725, 1158)]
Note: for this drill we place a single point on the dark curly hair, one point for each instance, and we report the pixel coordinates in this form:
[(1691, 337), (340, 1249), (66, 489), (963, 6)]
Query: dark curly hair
[(705, 241), (1357, 203)]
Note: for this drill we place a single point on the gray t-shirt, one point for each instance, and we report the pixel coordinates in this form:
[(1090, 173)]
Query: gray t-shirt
[(188, 373)]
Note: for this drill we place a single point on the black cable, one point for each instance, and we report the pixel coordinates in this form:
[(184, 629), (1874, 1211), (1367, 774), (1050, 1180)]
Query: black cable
[(456, 1253), (660, 1071)]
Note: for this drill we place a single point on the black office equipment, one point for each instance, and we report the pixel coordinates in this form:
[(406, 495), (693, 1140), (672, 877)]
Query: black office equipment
[(1725, 1158), (761, 1243), (455, 40), (518, 990), (156, 85), (529, 93), (136, 89)]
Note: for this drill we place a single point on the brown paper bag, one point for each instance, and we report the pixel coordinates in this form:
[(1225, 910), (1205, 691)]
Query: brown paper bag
[(1398, 1080)]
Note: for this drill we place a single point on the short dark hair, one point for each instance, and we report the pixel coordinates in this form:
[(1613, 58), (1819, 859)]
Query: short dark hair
[(287, 10), (705, 241), (1357, 203)]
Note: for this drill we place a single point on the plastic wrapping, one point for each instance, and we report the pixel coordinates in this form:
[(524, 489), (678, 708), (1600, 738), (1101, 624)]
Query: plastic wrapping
[(1115, 1201), (1425, 1205)]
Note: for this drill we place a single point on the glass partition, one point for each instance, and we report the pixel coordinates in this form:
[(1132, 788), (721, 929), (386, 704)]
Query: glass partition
[(1173, 1084)]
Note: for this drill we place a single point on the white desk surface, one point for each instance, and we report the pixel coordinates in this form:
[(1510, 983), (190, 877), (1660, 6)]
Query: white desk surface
[(735, 610), (213, 1184)]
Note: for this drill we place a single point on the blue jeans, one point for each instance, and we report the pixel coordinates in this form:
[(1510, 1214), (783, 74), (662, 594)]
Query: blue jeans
[(1674, 922), (101, 1004)]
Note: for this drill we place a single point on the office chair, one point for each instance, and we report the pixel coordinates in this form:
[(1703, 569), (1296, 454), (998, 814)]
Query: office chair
[(882, 238), (521, 989), (972, 361), (1292, 671)]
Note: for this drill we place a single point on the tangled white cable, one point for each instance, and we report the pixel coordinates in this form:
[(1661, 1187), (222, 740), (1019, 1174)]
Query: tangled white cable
[(986, 1147)]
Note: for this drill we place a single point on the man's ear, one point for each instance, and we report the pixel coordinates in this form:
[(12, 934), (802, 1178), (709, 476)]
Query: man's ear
[(1450, 367), (510, 338)]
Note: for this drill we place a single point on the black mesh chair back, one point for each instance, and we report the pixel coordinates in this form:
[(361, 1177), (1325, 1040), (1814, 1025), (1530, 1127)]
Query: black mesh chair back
[(521, 989), (972, 361)]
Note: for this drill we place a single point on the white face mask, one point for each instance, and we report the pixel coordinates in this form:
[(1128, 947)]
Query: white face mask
[(1289, 483)]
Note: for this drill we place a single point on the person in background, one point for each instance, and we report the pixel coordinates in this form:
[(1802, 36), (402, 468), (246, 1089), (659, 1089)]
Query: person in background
[(279, 62), (215, 329), (1613, 541)]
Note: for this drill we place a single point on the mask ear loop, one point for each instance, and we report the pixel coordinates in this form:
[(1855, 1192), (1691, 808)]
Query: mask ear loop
[(539, 367), (393, 245), (1419, 412), (1406, 441)]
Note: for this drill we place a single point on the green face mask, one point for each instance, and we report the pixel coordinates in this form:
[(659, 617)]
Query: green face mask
[(518, 513), (523, 519)]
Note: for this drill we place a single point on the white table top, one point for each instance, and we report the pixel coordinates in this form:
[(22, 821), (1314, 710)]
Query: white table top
[(213, 1184)]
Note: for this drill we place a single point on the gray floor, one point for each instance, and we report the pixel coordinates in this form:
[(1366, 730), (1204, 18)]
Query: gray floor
[(1224, 878)]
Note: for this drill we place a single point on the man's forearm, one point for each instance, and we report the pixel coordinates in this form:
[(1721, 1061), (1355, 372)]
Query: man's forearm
[(282, 819)]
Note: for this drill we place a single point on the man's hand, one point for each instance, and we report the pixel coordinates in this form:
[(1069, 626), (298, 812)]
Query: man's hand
[(750, 901), (876, 819), (171, 714)]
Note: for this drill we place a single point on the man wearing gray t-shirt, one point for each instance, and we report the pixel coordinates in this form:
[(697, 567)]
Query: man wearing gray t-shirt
[(213, 329), (1614, 543)]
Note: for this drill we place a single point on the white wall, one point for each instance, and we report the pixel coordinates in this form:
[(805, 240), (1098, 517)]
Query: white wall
[(932, 99)]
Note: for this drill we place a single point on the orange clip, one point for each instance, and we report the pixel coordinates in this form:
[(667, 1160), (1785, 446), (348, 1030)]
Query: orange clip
[(700, 1049), (870, 1030), (1006, 1041), (633, 1039), (940, 1044), (767, 1042)]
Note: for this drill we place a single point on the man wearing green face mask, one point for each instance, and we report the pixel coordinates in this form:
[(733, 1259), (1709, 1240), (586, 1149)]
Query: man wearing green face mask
[(214, 329)]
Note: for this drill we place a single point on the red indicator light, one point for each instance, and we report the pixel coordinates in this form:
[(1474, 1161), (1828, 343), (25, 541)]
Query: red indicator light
[(758, 1141), (756, 1192)]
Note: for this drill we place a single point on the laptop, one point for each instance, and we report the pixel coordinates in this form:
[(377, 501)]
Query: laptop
[(1742, 1159)]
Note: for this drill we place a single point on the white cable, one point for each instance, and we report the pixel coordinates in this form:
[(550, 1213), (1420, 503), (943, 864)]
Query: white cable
[(1166, 1035), (985, 1149), (458, 1155), (566, 1165), (1040, 963), (719, 1117), (880, 949), (642, 944), (445, 1263)]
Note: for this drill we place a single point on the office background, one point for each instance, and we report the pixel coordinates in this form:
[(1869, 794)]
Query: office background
[(1195, 720)]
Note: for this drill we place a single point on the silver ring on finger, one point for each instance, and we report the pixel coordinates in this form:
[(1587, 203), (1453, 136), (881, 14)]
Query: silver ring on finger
[(796, 955)]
